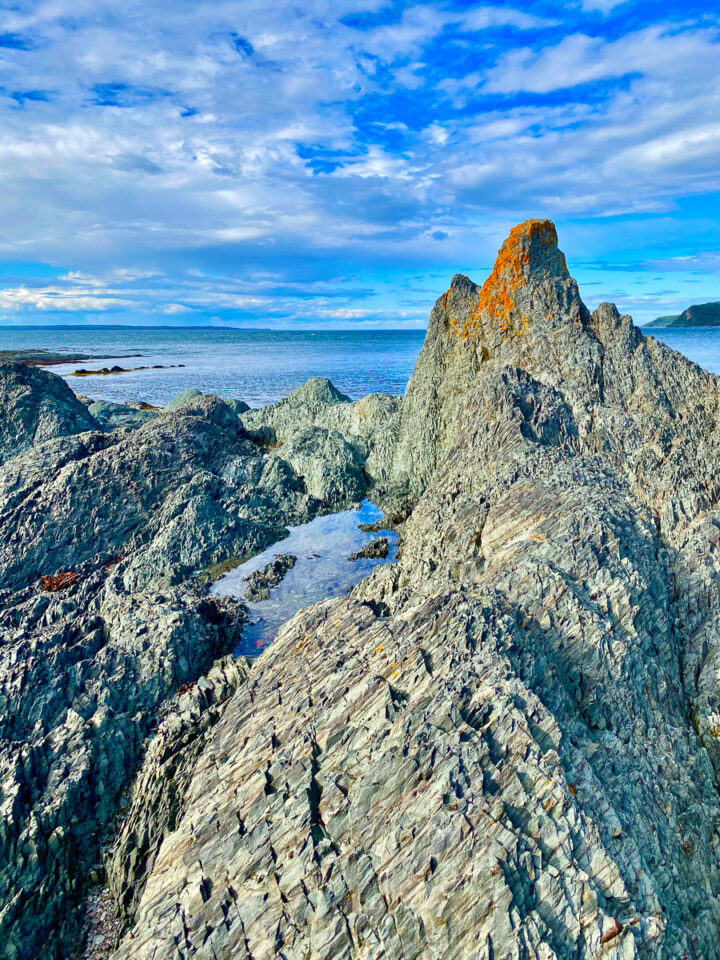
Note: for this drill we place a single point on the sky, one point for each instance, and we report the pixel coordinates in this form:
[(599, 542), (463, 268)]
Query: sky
[(332, 163)]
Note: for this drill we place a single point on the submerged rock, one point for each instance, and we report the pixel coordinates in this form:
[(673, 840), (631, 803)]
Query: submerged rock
[(505, 745), (270, 575)]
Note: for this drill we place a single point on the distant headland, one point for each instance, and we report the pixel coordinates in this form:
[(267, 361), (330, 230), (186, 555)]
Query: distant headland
[(699, 315)]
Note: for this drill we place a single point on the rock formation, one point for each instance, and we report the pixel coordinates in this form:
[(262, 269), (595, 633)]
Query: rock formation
[(506, 744), (37, 406), (103, 616), (327, 437), (376, 549), (270, 575)]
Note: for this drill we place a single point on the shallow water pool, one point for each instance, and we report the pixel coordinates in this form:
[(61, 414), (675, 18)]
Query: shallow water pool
[(322, 548)]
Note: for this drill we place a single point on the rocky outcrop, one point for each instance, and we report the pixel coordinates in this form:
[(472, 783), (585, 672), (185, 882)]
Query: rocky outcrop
[(37, 406), (504, 745), (317, 421), (270, 575), (158, 793), (102, 618), (181, 399), (112, 416), (376, 549)]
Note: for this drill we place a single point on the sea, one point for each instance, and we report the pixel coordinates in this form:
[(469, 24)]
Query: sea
[(260, 366)]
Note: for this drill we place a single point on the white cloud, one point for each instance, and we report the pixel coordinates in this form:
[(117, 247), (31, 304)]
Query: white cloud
[(175, 308), (658, 50), (602, 6), (52, 299), (282, 175)]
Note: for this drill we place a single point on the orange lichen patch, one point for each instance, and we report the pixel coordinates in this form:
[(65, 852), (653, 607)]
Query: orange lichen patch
[(445, 299), (61, 581), (510, 272), (573, 791), (615, 930)]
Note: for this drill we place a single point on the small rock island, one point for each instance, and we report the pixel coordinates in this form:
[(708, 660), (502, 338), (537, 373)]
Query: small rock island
[(505, 744)]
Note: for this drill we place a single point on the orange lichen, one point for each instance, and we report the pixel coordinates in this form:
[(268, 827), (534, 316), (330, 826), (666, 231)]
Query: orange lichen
[(60, 581), (510, 272)]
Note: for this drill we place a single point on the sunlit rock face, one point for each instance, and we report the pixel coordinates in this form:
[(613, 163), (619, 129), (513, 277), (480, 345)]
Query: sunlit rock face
[(527, 313), (37, 407), (506, 744)]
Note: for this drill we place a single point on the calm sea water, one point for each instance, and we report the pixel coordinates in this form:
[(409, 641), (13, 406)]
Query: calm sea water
[(258, 366)]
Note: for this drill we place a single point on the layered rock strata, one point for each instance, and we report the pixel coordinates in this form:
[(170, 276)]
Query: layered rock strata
[(505, 745), (103, 616)]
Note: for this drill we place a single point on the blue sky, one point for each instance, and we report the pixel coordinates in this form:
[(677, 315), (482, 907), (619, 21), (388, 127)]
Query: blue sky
[(331, 163)]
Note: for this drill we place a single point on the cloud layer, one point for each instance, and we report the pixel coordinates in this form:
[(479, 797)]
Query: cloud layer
[(310, 162)]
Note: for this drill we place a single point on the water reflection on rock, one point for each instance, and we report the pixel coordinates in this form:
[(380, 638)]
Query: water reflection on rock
[(322, 570)]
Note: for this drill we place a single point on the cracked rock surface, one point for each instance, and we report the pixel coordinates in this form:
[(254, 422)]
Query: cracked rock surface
[(270, 575), (506, 744), (116, 524)]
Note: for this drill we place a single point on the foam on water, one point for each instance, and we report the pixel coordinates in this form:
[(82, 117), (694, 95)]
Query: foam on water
[(322, 570)]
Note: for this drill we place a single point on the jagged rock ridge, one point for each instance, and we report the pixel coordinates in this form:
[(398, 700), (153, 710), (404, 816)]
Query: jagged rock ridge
[(116, 518), (506, 745)]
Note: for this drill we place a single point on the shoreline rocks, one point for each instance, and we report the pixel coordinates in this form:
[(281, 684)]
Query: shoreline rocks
[(107, 525), (375, 550), (504, 744)]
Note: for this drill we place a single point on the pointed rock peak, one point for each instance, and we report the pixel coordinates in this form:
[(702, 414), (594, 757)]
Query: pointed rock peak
[(529, 255)]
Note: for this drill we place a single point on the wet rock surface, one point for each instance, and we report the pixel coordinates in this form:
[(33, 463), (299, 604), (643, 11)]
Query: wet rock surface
[(505, 745), (271, 575)]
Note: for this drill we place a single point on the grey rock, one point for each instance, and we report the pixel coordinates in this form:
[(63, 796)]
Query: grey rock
[(369, 425), (331, 468), (237, 406), (181, 399), (127, 519), (270, 575), (158, 792), (506, 744), (376, 549), (36, 406), (112, 416)]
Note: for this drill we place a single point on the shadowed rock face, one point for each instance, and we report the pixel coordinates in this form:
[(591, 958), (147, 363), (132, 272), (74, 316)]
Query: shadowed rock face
[(505, 745)]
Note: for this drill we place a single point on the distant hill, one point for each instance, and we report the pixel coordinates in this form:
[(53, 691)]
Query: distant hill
[(699, 315)]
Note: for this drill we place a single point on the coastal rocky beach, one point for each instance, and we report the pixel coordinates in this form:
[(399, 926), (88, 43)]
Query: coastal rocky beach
[(505, 744)]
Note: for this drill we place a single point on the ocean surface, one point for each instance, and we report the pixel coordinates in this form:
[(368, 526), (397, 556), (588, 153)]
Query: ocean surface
[(258, 366), (261, 366)]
